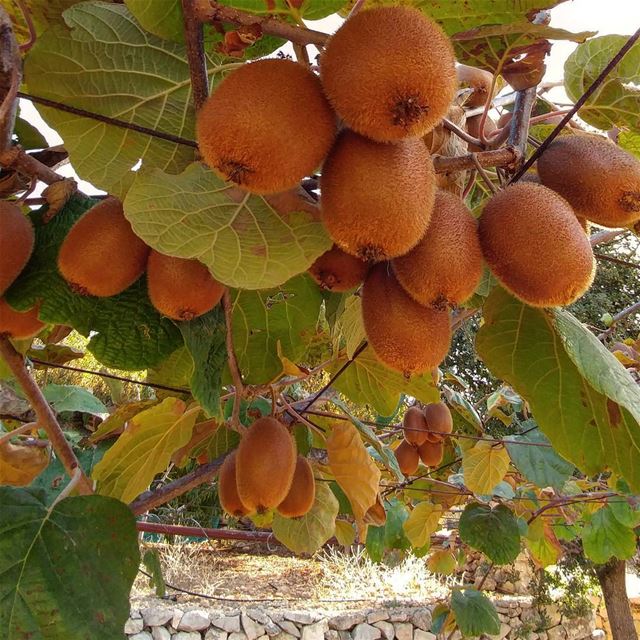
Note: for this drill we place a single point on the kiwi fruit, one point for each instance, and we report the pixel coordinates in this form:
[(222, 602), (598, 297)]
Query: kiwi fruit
[(598, 179), (266, 462), (431, 453), (479, 80), (181, 289), (404, 335), (266, 126), (414, 426), (445, 267), (101, 255), (376, 199), (535, 246), (16, 243), (302, 494), (18, 324), (439, 420), (336, 270), (473, 128), (228, 488), (407, 457), (389, 72)]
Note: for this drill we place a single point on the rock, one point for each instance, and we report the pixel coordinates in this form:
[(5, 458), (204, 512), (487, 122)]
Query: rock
[(507, 587), (598, 634), (187, 635), (345, 635), (230, 624), (404, 630), (160, 633), (332, 634), (421, 618), (315, 631), (377, 616), (271, 628), (135, 614), (346, 621), (557, 633), (156, 616), (283, 635), (365, 631), (132, 626), (419, 634), (503, 633), (251, 627), (215, 634), (237, 636), (177, 616), (143, 635), (387, 629), (399, 615), (259, 616), (194, 620), (300, 617), (289, 628)]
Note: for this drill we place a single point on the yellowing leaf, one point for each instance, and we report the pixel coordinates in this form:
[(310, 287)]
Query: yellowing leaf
[(349, 326), (115, 423), (542, 543), (442, 562), (19, 465), (144, 449), (421, 523), (345, 533), (353, 468), (484, 466)]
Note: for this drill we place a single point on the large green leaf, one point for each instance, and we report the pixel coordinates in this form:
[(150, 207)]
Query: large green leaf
[(126, 331), (475, 613), (605, 537), (521, 345), (495, 532), (43, 13), (616, 102), (69, 397), (65, 572), (163, 19)]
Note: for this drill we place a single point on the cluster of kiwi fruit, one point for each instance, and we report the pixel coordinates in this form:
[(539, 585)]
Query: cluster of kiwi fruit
[(424, 430), (265, 472)]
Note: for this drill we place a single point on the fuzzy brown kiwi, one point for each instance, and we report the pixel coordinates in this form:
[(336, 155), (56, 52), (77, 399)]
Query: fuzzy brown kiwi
[(389, 72), (179, 288), (336, 270), (445, 267), (101, 255), (302, 494), (535, 246), (228, 488), (414, 426), (377, 198), (438, 418), (16, 243), (266, 126), (431, 453), (265, 464), (600, 180), (479, 80), (404, 335), (473, 128), (18, 324), (407, 457)]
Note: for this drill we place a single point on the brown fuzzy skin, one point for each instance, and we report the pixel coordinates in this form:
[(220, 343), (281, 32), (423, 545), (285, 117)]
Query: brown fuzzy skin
[(477, 79), (535, 246), (16, 243), (473, 128), (445, 267), (302, 494), (101, 255), (404, 335), (390, 73), (181, 289), (336, 270), (407, 457), (266, 126), (414, 426), (266, 462), (17, 324), (377, 198), (598, 179), (228, 489), (431, 453), (438, 418)]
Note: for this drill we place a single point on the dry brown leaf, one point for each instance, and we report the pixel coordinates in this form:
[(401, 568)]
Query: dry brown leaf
[(19, 464)]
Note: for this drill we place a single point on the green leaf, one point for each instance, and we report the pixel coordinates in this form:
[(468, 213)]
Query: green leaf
[(28, 136), (475, 613), (394, 534), (521, 345), (65, 572), (307, 9), (163, 19), (126, 331), (605, 537), (616, 102), (630, 141), (69, 397), (174, 371), (349, 326), (246, 243), (374, 543), (495, 532), (151, 561), (205, 338), (222, 440), (539, 464), (345, 533), (422, 522), (309, 532)]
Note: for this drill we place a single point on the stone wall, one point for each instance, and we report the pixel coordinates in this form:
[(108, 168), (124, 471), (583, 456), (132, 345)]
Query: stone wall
[(520, 620)]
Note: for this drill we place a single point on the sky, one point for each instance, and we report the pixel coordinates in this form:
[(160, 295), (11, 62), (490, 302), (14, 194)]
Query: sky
[(606, 17)]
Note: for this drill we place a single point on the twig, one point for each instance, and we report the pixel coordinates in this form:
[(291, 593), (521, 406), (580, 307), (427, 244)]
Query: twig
[(46, 418), (483, 174), (236, 376), (469, 186), (203, 532), (194, 39), (519, 129), (10, 78), (461, 133), (26, 13), (624, 263), (17, 159), (606, 236), (71, 486), (302, 55), (621, 315), (23, 428), (505, 157)]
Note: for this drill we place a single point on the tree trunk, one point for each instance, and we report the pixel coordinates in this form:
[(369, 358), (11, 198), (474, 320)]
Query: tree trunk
[(614, 589)]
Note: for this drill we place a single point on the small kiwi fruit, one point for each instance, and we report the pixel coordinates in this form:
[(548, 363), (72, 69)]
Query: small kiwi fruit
[(407, 457), (16, 243), (473, 128), (302, 494), (479, 80), (431, 453), (535, 246), (101, 255), (404, 335), (181, 289), (336, 270), (445, 267), (439, 420), (377, 198), (389, 72), (600, 180), (265, 464), (414, 426), (228, 488), (266, 125), (19, 324)]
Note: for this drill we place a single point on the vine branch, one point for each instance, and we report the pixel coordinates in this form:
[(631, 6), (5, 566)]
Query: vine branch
[(194, 39), (19, 160), (236, 376)]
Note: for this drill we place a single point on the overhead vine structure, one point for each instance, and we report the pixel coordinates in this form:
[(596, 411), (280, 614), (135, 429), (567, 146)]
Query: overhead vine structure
[(268, 252)]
